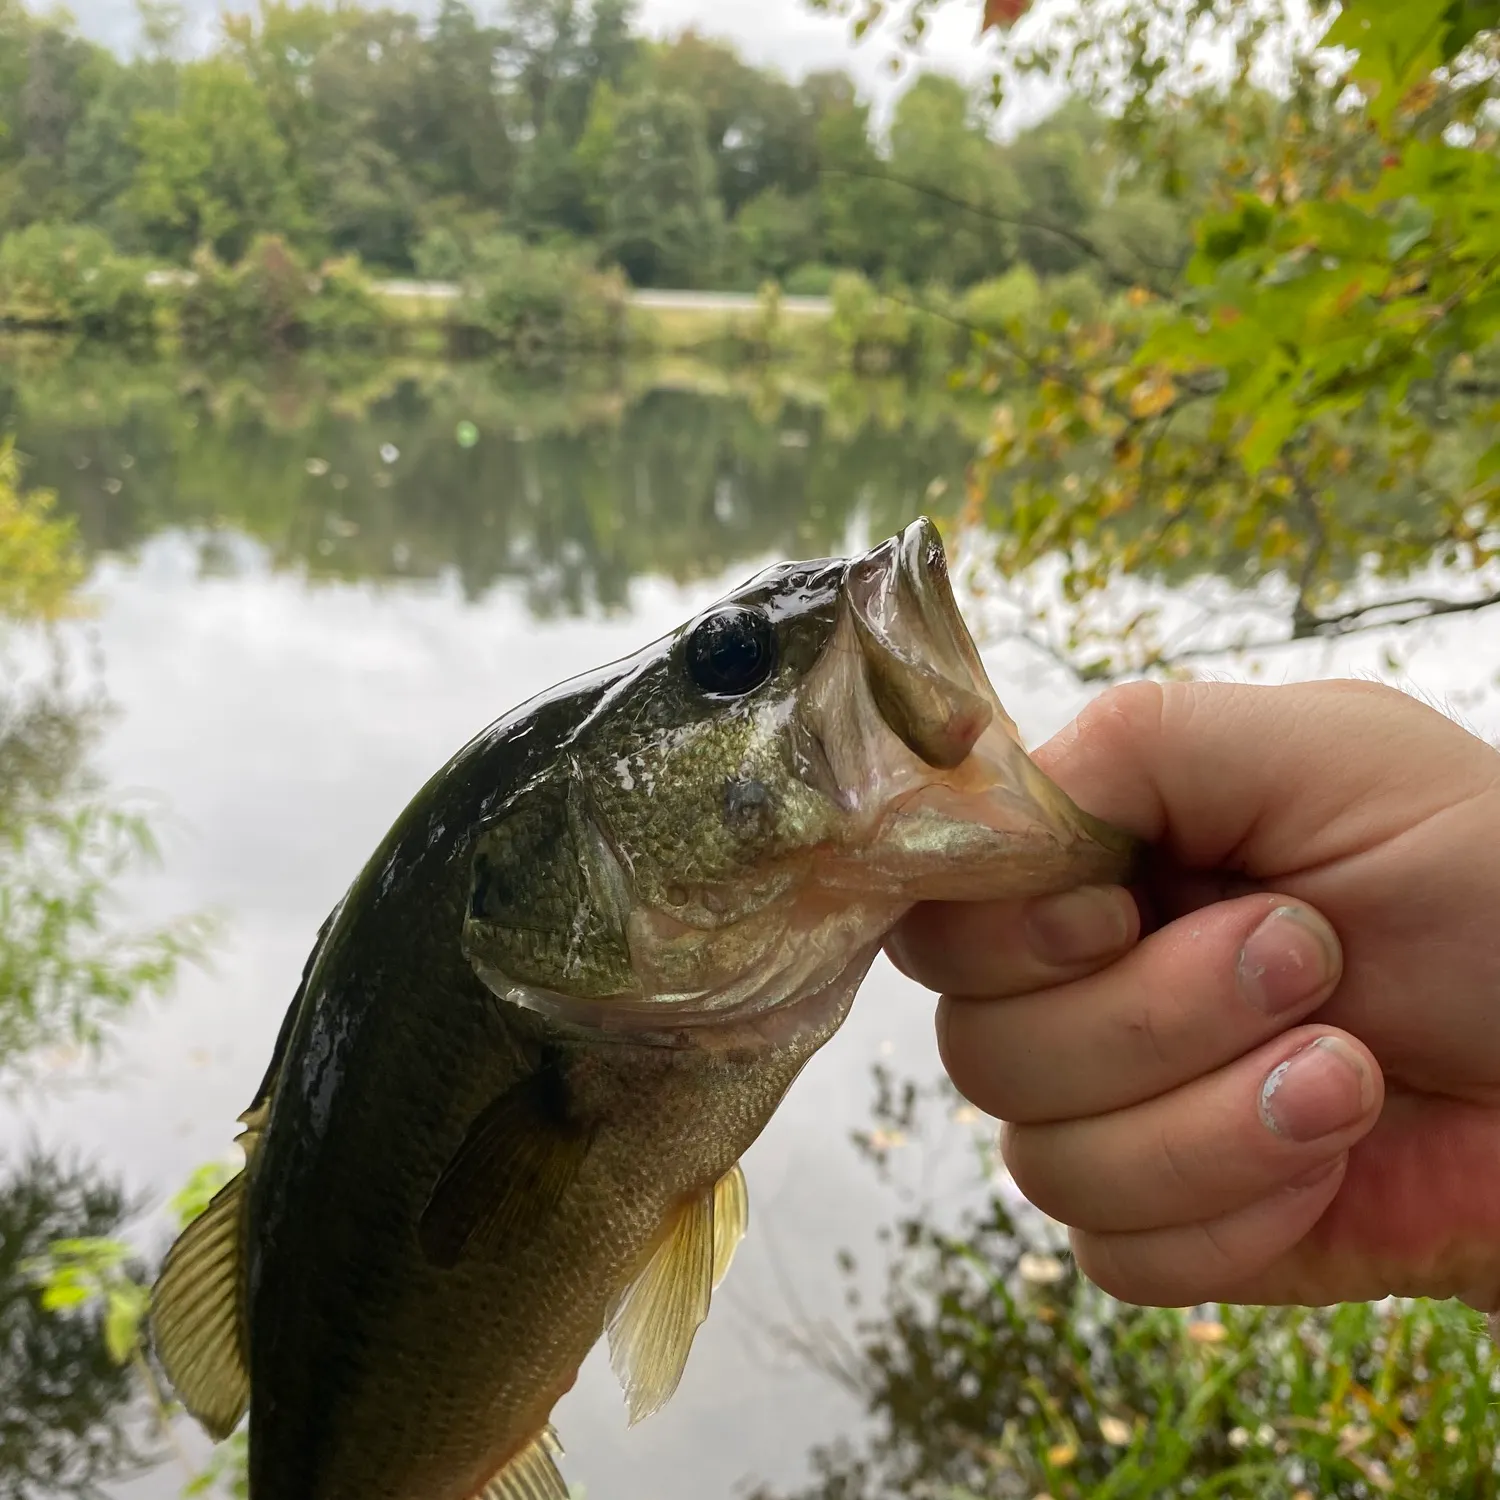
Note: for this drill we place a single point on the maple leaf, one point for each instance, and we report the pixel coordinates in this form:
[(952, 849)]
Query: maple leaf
[(1003, 13)]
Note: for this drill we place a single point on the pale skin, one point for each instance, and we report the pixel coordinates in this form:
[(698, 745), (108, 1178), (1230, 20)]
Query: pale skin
[(1271, 1073)]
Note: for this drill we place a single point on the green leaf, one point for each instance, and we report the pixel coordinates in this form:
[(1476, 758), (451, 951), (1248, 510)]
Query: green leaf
[(64, 1294), (122, 1321), (1399, 43), (1223, 236), (1464, 20), (199, 1189), (1413, 223)]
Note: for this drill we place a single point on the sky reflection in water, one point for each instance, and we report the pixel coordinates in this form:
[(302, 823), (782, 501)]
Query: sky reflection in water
[(284, 719)]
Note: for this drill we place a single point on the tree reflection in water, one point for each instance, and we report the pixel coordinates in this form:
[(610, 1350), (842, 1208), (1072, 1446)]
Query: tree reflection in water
[(71, 1417), (68, 965), (69, 1414), (568, 488)]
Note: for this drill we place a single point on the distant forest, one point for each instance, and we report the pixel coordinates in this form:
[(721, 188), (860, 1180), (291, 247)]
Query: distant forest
[(411, 142)]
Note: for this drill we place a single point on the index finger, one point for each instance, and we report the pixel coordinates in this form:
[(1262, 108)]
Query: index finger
[(1268, 780), (997, 948)]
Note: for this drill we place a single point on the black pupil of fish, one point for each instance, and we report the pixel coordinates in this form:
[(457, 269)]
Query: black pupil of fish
[(731, 652)]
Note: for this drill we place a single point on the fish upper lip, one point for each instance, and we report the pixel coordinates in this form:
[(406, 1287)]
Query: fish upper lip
[(920, 662), (901, 588)]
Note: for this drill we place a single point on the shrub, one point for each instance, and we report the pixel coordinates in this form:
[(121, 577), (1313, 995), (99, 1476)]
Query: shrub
[(271, 301), (344, 308), (531, 298), (61, 276), (1005, 301), (811, 280), (876, 333), (40, 566), (990, 1367)]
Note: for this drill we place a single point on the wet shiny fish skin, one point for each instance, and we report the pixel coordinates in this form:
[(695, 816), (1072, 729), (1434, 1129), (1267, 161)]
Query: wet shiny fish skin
[(561, 1001)]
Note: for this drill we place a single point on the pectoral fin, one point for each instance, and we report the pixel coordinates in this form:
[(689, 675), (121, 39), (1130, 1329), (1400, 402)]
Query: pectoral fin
[(652, 1327), (513, 1167), (532, 1474)]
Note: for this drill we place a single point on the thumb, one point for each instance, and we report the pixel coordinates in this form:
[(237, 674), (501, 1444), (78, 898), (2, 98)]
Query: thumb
[(1264, 779)]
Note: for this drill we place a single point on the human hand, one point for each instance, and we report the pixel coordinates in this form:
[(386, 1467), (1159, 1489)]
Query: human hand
[(1228, 1107)]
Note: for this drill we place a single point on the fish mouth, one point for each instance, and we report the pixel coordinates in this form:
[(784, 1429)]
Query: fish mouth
[(921, 665), (946, 803)]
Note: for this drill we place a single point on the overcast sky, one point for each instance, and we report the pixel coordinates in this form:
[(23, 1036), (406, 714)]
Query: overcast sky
[(782, 33)]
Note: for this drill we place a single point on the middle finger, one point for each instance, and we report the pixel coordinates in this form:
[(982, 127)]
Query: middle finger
[(1191, 997)]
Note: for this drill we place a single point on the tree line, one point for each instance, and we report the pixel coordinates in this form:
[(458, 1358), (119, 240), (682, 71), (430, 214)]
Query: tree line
[(413, 144)]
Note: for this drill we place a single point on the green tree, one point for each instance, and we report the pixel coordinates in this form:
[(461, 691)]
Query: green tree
[(214, 171), (48, 77), (1310, 408), (960, 203), (665, 219), (857, 203), (775, 232), (754, 125), (1059, 167)]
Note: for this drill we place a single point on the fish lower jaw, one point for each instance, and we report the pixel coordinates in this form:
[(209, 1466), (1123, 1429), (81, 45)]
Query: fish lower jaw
[(809, 1011)]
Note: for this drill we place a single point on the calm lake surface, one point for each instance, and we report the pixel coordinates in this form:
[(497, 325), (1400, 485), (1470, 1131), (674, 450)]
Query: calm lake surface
[(310, 591), (313, 585)]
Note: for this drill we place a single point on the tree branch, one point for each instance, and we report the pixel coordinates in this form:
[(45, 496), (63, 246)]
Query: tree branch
[(1078, 240)]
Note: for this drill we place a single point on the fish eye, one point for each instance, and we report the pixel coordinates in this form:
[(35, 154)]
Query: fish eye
[(731, 652)]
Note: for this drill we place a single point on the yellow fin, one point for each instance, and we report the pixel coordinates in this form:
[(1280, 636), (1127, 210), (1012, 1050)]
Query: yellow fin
[(731, 1219), (196, 1322), (532, 1474), (652, 1326)]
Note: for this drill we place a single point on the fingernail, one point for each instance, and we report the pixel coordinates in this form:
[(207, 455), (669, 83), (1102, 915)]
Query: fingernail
[(1287, 959), (1323, 1088), (1078, 925)]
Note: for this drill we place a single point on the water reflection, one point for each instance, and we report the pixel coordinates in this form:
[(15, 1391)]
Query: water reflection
[(394, 471), (69, 1421), (68, 966), (285, 724)]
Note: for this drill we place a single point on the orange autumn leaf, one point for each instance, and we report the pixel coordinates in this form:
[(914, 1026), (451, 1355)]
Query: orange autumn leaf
[(1003, 13)]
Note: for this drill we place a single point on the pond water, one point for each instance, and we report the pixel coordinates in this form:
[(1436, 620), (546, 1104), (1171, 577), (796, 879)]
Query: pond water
[(309, 592), (311, 587)]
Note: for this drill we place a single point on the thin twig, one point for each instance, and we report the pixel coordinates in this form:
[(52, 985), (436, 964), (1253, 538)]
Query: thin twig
[(1078, 240)]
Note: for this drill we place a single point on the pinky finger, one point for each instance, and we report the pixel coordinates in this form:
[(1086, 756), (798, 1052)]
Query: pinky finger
[(1206, 1262)]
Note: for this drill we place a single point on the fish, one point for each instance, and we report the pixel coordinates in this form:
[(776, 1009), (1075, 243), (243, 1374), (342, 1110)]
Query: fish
[(505, 1112)]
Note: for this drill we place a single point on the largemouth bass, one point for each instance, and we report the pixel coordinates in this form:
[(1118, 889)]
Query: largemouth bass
[(506, 1109)]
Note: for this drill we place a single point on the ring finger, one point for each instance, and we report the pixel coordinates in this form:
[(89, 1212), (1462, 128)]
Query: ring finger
[(1204, 1150)]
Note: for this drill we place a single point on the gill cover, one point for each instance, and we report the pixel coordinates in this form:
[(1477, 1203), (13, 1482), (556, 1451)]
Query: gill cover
[(549, 893)]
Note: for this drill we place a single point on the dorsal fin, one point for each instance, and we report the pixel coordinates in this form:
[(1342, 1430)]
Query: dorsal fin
[(654, 1321), (532, 1474), (198, 1302)]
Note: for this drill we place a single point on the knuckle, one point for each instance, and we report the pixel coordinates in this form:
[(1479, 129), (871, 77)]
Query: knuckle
[(1124, 714), (1175, 1172)]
